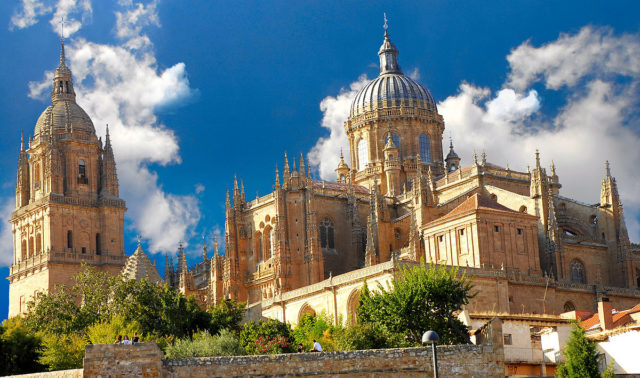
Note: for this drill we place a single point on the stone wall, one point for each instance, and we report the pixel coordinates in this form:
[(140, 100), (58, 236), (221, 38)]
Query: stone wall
[(73, 373), (145, 360)]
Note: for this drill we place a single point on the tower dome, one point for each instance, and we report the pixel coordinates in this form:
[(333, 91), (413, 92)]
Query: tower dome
[(391, 88), (64, 114)]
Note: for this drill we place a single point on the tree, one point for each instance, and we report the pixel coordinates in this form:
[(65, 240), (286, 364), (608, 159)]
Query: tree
[(18, 348), (581, 356), (421, 298), (368, 336), (227, 314), (62, 352)]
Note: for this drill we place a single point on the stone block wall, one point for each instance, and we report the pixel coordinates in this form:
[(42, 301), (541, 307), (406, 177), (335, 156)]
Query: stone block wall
[(145, 360)]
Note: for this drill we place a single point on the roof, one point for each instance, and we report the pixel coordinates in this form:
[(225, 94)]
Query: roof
[(139, 266), (619, 318), (477, 202), (338, 186)]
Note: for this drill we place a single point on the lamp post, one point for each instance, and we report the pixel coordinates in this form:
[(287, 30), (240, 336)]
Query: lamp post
[(431, 337)]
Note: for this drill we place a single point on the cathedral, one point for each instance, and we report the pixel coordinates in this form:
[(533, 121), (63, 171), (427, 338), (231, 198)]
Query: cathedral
[(309, 245)]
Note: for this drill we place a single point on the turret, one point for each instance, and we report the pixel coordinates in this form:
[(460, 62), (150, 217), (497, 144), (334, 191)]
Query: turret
[(452, 160), (342, 172), (108, 174), (62, 81), (392, 166), (204, 250), (22, 183)]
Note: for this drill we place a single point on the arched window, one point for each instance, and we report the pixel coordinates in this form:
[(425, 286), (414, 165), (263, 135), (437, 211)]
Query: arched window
[(258, 247), (578, 274), (425, 148), (363, 154), (31, 246), (326, 234), (24, 250), (98, 245), (38, 243), (69, 239), (272, 237), (36, 172), (569, 306), (82, 172), (266, 244)]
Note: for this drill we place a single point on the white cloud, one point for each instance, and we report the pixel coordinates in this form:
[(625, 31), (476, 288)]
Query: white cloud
[(74, 12), (121, 85), (594, 125), (7, 205), (325, 155), (199, 188), (29, 14)]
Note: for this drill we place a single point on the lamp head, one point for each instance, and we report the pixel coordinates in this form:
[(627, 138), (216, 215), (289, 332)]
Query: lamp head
[(430, 337)]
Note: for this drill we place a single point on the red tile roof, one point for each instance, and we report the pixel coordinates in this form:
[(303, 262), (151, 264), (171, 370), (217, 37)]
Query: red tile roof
[(476, 202), (619, 318)]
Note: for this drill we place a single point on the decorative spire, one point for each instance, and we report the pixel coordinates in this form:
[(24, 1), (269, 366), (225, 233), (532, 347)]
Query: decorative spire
[(388, 54), (608, 168), (277, 180), (475, 158), (216, 253), (228, 200), (484, 158), (204, 249), (537, 158), (108, 173), (286, 164), (22, 142), (303, 171), (553, 168), (62, 81)]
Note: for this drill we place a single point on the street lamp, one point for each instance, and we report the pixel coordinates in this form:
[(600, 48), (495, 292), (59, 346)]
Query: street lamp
[(431, 337)]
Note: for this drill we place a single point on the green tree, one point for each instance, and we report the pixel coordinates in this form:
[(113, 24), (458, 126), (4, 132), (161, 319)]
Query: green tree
[(60, 352), (368, 336), (227, 314), (203, 344), (18, 348), (581, 356), (421, 298), (106, 331), (316, 327), (266, 329)]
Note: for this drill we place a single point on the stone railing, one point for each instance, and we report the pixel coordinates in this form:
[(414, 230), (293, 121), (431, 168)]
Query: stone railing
[(67, 257)]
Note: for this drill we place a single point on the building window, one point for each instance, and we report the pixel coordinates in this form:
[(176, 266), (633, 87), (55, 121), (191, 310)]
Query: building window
[(326, 234), (519, 231), (84, 250), (38, 243), (569, 306), (496, 228), (82, 172), (69, 239), (98, 246), (363, 157), (425, 148), (31, 246), (440, 238), (507, 339), (461, 232), (578, 274), (24, 250)]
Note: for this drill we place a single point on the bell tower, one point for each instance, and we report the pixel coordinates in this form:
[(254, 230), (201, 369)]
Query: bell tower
[(68, 211)]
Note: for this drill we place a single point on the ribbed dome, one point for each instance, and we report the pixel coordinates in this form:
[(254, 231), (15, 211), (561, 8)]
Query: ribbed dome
[(62, 115), (391, 88)]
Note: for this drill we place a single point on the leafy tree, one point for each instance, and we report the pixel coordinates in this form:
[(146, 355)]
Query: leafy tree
[(106, 331), (420, 298), (18, 348), (581, 356), (266, 329), (227, 314), (316, 327), (62, 352)]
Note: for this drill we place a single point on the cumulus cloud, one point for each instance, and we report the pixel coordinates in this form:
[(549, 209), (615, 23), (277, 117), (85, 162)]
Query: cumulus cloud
[(595, 124), (74, 12), (6, 236), (122, 86), (325, 155)]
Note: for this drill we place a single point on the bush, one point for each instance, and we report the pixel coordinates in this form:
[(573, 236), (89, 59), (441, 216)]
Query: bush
[(62, 352), (226, 314), (267, 329), (368, 336), (203, 344), (581, 356)]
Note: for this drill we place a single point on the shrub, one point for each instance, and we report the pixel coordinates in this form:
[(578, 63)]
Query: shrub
[(316, 327), (267, 329), (105, 332), (18, 348), (368, 336), (62, 352), (203, 344)]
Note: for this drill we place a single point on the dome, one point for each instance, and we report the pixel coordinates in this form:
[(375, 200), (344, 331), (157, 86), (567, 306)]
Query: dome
[(391, 88), (62, 115)]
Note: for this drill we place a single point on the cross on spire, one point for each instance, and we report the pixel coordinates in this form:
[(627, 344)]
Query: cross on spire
[(61, 28), (386, 25)]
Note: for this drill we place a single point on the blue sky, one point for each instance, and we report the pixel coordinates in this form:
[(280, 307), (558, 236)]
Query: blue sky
[(195, 92)]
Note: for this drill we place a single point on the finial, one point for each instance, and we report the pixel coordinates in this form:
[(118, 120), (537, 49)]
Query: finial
[(475, 158), (62, 57), (537, 158), (484, 158), (21, 140), (606, 164), (107, 130), (139, 240), (450, 140), (385, 26), (553, 168)]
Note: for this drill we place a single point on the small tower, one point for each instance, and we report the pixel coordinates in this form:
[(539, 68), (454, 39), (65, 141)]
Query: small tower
[(342, 172), (452, 160), (392, 166), (22, 184)]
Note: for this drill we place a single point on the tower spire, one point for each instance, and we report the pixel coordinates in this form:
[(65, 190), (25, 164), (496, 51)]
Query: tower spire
[(388, 53)]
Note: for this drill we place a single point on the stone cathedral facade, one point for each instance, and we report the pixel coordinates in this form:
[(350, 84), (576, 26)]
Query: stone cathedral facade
[(67, 207), (309, 245)]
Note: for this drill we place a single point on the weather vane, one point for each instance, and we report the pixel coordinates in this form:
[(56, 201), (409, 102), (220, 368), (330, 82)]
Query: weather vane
[(386, 26), (139, 239)]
